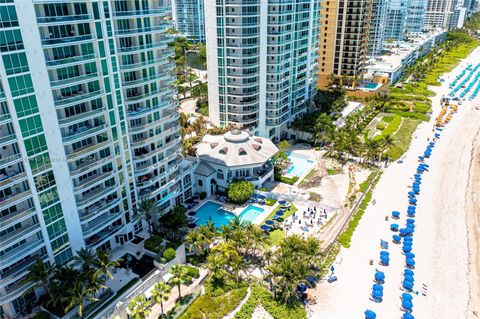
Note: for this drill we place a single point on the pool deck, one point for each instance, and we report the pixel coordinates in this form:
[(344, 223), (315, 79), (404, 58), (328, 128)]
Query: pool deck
[(306, 172), (236, 209)]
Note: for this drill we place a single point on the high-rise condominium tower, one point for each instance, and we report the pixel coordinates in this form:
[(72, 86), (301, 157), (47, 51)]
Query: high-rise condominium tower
[(396, 23), (416, 16), (344, 34), (262, 62), (377, 27), (438, 12), (189, 17), (88, 128)]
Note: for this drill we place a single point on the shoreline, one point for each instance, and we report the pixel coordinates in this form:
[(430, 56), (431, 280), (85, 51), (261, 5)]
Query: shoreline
[(473, 230)]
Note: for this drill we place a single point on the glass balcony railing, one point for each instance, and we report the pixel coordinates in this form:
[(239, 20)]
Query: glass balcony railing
[(19, 234), (98, 238), (63, 18), (18, 216), (99, 208), (67, 39), (74, 79), (69, 60), (20, 252), (7, 139), (141, 12), (83, 132), (142, 30)]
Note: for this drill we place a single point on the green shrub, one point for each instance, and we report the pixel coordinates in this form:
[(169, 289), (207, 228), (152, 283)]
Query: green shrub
[(206, 306), (388, 118), (240, 191), (263, 189), (193, 271), (42, 315), (202, 195), (153, 244), (283, 179), (169, 254), (277, 309), (380, 126)]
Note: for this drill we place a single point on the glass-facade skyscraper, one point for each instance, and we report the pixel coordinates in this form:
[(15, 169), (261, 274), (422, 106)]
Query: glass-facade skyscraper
[(416, 16), (377, 27), (262, 62), (396, 22), (88, 128), (189, 17)]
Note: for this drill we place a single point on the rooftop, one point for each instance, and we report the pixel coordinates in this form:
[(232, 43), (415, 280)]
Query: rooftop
[(235, 148)]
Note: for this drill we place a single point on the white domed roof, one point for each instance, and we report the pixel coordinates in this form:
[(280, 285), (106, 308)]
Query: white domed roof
[(236, 148)]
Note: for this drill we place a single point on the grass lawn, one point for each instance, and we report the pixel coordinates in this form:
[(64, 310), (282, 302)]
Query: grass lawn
[(203, 109), (333, 171), (402, 138), (292, 209), (277, 309), (277, 235), (214, 307)]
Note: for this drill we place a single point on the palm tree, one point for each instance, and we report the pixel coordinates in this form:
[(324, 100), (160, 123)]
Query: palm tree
[(215, 264), (160, 293), (387, 142), (196, 241), (179, 276), (40, 273), (139, 307), (85, 257), (148, 208), (77, 295), (103, 263), (95, 283)]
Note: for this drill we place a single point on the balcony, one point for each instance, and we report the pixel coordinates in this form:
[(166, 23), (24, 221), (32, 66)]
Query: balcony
[(77, 79), (68, 100), (88, 164), (99, 223), (5, 118), (151, 29), (147, 46), (20, 269), (92, 180), (53, 62), (18, 234), (11, 177), (81, 116), (74, 39), (73, 155), (95, 195), (7, 139), (15, 291), (98, 209), (20, 252), (100, 237), (129, 67), (16, 217), (144, 111), (83, 132), (13, 199), (61, 19), (145, 12)]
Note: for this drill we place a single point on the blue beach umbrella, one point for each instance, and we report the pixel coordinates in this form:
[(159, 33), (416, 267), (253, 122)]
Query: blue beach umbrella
[(396, 213), (407, 304), (413, 200), (384, 253), (411, 208), (406, 315), (407, 248), (411, 194), (417, 176), (370, 314), (377, 287), (279, 213), (269, 222), (408, 272), (396, 238), (403, 231), (410, 255), (377, 294), (379, 276), (265, 227), (410, 220), (407, 296), (410, 262), (409, 278), (411, 214), (407, 284), (385, 260), (394, 227)]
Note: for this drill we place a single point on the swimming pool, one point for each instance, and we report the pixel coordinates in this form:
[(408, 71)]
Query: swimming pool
[(212, 211), (250, 213), (299, 164), (370, 86)]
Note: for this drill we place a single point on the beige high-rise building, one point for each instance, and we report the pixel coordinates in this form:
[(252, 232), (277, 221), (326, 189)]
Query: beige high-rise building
[(343, 39)]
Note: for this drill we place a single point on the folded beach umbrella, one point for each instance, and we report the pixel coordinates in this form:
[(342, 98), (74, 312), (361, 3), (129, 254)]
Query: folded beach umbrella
[(409, 278), (394, 227), (377, 294), (406, 315), (407, 284), (407, 296), (379, 276), (370, 314), (407, 304), (396, 239), (377, 287), (410, 262)]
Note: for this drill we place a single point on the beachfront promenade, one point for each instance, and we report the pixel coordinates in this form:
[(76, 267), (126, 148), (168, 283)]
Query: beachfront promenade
[(440, 286)]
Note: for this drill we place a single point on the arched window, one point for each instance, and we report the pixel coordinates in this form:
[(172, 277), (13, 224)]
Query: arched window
[(223, 151), (242, 152)]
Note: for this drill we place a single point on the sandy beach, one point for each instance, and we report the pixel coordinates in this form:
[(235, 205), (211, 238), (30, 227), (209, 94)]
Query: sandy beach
[(446, 249)]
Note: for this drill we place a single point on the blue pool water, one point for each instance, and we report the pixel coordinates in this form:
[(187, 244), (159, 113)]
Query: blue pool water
[(212, 211), (250, 213), (370, 86), (300, 164)]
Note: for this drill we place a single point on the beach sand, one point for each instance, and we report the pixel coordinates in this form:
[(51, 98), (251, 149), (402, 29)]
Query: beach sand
[(473, 221), (440, 240)]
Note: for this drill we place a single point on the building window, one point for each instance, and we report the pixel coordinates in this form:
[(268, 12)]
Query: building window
[(200, 182), (220, 174)]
